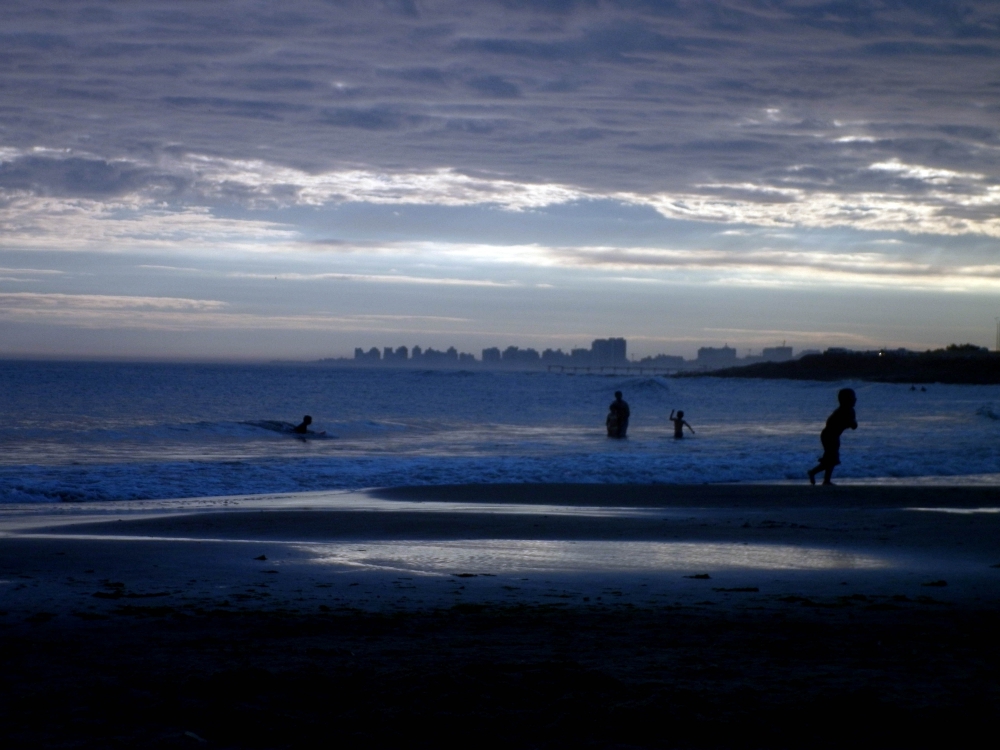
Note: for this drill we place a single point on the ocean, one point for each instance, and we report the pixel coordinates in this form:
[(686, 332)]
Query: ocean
[(77, 431)]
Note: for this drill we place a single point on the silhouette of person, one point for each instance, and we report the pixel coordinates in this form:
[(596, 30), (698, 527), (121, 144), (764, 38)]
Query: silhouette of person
[(679, 424), (842, 418), (303, 428), (618, 414)]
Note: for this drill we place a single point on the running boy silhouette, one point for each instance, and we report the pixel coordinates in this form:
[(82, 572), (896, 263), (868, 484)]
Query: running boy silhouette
[(842, 418), (679, 424)]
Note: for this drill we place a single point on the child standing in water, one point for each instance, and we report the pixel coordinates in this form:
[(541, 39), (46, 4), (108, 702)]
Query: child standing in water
[(679, 424), (842, 418)]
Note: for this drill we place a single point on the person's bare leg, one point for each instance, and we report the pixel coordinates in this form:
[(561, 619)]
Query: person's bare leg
[(813, 472), (827, 476)]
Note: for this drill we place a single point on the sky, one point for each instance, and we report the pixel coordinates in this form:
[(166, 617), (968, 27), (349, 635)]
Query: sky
[(261, 180)]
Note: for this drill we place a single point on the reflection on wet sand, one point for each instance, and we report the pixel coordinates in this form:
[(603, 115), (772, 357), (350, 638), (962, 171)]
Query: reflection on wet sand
[(522, 556), (959, 511)]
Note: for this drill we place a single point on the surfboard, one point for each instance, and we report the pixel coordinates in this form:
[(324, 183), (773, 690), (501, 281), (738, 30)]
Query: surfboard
[(287, 428), (307, 435)]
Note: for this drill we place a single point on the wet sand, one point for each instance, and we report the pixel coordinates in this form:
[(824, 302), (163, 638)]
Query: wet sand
[(524, 615)]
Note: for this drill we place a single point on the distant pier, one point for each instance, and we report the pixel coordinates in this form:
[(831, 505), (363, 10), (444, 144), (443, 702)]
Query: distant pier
[(613, 369)]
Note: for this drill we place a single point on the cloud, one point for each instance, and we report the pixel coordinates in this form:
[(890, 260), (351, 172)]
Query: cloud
[(372, 118), (263, 181), (439, 318), (327, 85), (81, 177), (170, 132), (29, 300), (129, 224), (373, 278), (157, 267), (783, 268), (32, 271), (899, 267), (496, 86), (249, 108), (925, 174), (921, 49), (144, 226), (93, 311), (27, 275), (797, 267), (947, 202)]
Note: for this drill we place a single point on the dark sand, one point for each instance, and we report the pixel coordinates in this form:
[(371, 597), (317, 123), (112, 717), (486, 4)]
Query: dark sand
[(515, 616)]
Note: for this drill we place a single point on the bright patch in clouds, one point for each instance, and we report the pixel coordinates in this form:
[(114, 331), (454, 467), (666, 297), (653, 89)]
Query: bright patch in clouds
[(260, 182), (925, 174)]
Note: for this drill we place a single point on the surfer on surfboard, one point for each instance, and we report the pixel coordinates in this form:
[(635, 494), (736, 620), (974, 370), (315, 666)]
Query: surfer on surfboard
[(303, 429)]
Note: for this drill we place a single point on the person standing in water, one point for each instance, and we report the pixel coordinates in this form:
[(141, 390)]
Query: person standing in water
[(679, 424), (842, 418), (618, 414)]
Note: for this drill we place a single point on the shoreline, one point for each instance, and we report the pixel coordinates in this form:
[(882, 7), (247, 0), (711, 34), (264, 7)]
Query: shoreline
[(525, 615), (496, 545)]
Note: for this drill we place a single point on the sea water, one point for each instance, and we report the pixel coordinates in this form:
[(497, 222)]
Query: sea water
[(110, 431)]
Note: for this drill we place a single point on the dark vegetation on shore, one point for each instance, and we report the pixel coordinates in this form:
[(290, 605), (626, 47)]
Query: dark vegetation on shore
[(963, 364), (510, 677)]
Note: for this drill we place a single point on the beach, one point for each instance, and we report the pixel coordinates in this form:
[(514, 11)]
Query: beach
[(517, 615), (431, 374)]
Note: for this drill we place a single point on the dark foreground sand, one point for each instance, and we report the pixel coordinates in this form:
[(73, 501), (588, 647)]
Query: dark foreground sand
[(514, 616)]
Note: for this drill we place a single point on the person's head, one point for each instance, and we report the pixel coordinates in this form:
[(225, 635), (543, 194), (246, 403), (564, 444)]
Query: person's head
[(307, 419), (618, 394), (680, 415), (847, 397)]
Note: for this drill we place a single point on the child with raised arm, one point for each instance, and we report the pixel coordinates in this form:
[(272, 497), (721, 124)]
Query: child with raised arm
[(842, 418), (679, 424)]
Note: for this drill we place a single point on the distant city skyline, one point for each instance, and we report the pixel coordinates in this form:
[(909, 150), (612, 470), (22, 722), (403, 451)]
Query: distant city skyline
[(610, 352), (245, 181)]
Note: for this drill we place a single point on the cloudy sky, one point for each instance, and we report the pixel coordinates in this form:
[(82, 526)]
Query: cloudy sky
[(237, 179)]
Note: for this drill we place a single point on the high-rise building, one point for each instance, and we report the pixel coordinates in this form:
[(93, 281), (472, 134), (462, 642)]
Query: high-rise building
[(512, 354), (711, 356), (608, 352), (776, 353)]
